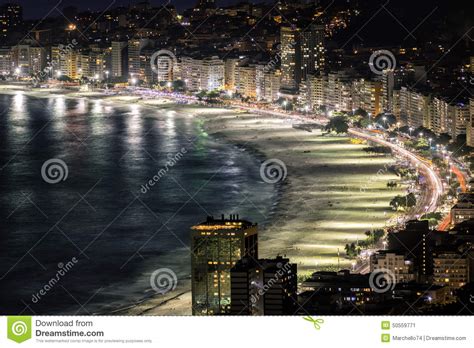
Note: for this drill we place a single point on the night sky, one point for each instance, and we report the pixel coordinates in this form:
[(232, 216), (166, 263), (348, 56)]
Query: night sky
[(39, 8)]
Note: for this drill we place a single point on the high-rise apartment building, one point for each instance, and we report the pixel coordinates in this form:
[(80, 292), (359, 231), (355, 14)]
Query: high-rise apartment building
[(470, 124), (450, 268), (312, 50), (202, 74), (11, 19), (263, 287), (367, 95), (268, 83), (134, 48), (413, 107), (230, 65), (119, 59), (438, 115), (217, 245), (290, 60), (317, 91), (37, 59), (21, 59), (245, 81), (5, 61), (458, 116), (388, 84)]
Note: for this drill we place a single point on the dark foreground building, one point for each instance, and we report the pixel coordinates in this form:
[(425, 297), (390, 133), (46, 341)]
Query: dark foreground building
[(263, 287)]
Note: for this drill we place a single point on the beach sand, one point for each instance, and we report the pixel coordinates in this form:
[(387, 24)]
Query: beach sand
[(334, 191)]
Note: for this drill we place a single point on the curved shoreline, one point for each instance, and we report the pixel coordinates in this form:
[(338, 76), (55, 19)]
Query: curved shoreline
[(156, 304)]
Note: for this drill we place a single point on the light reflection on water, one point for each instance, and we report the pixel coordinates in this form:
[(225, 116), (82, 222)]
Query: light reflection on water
[(110, 151)]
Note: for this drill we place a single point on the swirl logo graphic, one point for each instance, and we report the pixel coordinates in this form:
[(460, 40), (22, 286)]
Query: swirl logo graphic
[(382, 60), (19, 328), (162, 63), (54, 171), (273, 171), (382, 280), (163, 280)]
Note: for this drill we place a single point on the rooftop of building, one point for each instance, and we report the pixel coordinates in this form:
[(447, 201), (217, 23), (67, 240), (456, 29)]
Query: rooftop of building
[(391, 251), (414, 286), (467, 197), (342, 278), (231, 223), (276, 263)]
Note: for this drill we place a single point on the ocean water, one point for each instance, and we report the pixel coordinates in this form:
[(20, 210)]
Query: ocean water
[(88, 243)]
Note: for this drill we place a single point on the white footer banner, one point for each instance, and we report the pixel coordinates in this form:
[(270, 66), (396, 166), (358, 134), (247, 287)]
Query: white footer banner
[(115, 331)]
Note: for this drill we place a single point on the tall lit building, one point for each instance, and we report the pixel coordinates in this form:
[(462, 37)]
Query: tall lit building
[(11, 19), (245, 81), (458, 116), (146, 71), (268, 83), (416, 237), (37, 59), (312, 50), (66, 62), (134, 48), (367, 95), (263, 287), (5, 61), (388, 84), (290, 60), (229, 76), (217, 245), (438, 115), (21, 59), (450, 268), (470, 124), (413, 107), (119, 59), (317, 91)]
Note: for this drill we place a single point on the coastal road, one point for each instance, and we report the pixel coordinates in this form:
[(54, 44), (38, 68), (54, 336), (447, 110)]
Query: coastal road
[(430, 198), (461, 177)]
